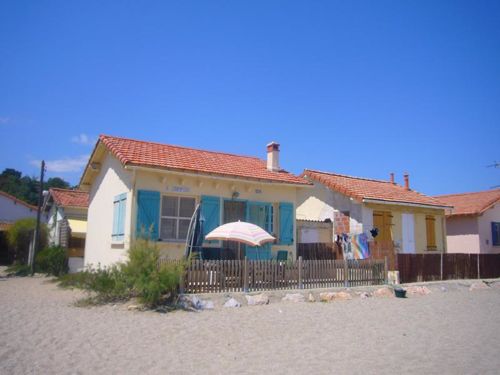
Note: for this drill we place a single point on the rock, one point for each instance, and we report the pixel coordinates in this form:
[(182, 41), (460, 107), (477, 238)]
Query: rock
[(133, 307), (232, 303), (311, 298), (364, 295), (418, 290), (331, 296), (194, 303), (383, 292), (258, 299), (294, 297), (443, 289), (479, 286)]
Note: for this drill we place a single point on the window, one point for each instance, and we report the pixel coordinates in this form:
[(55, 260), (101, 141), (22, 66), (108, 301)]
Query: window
[(176, 214), (430, 224), (119, 204), (495, 234)]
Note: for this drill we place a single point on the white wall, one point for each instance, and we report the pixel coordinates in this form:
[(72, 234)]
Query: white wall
[(11, 211), (111, 180), (485, 235), (462, 234)]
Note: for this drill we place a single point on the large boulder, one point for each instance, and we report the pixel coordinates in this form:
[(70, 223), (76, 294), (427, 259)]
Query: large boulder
[(383, 292), (232, 303), (194, 303), (480, 285), (258, 299), (294, 297), (334, 296)]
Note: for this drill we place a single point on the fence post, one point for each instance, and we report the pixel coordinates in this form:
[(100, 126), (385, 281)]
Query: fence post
[(245, 275), (441, 266), (300, 273), (478, 268), (386, 271), (182, 284), (346, 273)]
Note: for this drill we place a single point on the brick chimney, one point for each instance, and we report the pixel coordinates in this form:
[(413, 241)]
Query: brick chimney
[(273, 156), (407, 181), (392, 178)]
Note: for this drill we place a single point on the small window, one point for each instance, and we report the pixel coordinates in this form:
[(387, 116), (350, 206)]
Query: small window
[(176, 214), (495, 234), (119, 205)]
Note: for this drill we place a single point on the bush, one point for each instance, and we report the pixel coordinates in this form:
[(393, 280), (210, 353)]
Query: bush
[(20, 235), (141, 276), (18, 269), (52, 261)]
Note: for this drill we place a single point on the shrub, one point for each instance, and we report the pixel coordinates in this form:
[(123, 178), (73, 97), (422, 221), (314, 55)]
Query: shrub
[(52, 260), (141, 276), (19, 269), (20, 235)]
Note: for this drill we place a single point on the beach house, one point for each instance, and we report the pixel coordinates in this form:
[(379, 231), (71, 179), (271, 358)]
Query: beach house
[(395, 216), (137, 188), (473, 226), (66, 213)]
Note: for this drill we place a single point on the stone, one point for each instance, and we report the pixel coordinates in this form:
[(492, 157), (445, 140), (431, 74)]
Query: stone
[(258, 299), (232, 303), (364, 295), (194, 303), (383, 292), (206, 305), (479, 286), (418, 290), (294, 297), (133, 307), (311, 298), (331, 296)]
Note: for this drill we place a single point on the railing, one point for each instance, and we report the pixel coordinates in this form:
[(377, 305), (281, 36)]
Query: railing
[(243, 275)]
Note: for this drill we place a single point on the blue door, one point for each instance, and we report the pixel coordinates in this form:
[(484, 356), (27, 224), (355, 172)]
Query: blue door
[(261, 214)]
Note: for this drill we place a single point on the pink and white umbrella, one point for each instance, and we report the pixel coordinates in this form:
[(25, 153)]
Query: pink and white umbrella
[(241, 232)]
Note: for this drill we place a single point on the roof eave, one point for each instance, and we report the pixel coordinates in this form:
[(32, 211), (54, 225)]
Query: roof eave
[(216, 175), (403, 203)]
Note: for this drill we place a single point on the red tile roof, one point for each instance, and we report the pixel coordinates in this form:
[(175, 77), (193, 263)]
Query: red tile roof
[(471, 203), (156, 155), (7, 195), (70, 198), (364, 188)]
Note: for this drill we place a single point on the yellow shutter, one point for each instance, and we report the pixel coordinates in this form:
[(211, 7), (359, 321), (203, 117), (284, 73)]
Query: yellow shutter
[(430, 224), (383, 221)]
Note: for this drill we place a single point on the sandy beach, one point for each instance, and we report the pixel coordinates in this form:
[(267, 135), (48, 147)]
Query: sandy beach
[(451, 331)]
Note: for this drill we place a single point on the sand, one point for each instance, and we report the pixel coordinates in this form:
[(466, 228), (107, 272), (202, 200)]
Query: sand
[(456, 331)]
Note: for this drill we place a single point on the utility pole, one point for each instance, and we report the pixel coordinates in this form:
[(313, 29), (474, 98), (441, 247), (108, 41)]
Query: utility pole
[(38, 214)]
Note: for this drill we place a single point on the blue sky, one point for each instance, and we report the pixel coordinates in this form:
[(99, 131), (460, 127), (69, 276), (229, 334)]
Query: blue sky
[(357, 87)]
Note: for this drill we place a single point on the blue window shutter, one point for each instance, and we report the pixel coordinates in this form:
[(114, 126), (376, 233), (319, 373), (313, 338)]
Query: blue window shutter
[(286, 223), (119, 207), (495, 234), (210, 213), (148, 214)]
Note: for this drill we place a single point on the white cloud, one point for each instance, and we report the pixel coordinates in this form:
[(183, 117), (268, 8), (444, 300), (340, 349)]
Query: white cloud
[(4, 120), (64, 165), (83, 139)]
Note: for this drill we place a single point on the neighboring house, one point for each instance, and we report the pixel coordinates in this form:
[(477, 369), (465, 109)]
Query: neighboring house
[(11, 210), (406, 220), (473, 226), (66, 212), (139, 188)]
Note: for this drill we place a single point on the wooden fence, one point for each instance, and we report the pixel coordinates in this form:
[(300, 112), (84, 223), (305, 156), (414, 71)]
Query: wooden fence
[(217, 276), (319, 251), (429, 267)]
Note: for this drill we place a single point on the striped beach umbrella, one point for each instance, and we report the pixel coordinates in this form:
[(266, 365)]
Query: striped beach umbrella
[(242, 232)]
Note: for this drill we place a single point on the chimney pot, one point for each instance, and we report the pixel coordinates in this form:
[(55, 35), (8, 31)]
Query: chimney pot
[(407, 181), (392, 178), (273, 153)]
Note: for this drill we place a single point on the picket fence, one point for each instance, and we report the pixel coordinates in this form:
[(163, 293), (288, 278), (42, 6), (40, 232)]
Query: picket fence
[(216, 276)]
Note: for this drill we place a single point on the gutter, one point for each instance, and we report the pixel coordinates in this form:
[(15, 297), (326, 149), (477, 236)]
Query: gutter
[(396, 203), (213, 175)]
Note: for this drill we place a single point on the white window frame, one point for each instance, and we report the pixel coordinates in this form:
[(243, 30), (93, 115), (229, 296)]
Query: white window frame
[(177, 218)]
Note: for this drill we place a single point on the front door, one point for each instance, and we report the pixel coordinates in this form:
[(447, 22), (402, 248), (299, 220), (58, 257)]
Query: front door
[(408, 233)]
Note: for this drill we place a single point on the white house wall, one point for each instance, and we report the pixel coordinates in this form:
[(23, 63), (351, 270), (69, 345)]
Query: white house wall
[(11, 211), (485, 235), (111, 181)]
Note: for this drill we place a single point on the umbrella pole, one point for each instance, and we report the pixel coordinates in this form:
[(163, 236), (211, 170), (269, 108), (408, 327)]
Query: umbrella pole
[(239, 251)]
